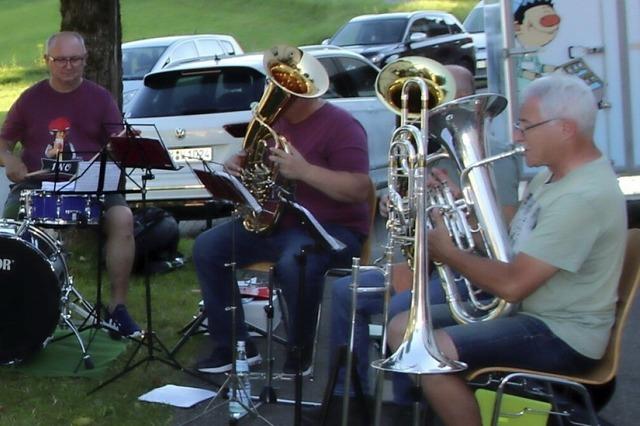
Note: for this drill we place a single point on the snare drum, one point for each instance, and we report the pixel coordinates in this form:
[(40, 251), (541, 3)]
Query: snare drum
[(57, 209), (33, 273)]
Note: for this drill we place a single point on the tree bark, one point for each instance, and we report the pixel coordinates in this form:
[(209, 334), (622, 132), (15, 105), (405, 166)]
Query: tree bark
[(99, 24)]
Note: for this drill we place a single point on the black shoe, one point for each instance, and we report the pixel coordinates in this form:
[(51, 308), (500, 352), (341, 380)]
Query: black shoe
[(220, 359), (290, 367)]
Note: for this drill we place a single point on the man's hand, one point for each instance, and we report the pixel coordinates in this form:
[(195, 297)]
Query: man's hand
[(292, 166), (234, 164), (383, 205), (439, 177), (14, 167), (439, 240)]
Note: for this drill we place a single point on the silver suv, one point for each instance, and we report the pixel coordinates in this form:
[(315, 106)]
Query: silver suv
[(202, 110), (153, 54)]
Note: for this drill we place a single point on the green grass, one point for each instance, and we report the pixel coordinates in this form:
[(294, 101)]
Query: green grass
[(25, 400), (27, 24)]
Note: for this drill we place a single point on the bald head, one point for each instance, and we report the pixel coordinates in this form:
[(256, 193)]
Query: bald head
[(465, 85), (64, 37)]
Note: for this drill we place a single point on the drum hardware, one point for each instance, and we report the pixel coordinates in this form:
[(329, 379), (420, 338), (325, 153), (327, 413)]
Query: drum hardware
[(40, 293)]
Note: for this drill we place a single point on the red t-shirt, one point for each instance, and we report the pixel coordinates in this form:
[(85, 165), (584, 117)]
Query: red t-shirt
[(82, 120), (333, 139)]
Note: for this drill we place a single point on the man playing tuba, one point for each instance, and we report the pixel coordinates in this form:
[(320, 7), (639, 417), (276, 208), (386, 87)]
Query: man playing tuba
[(569, 240), (327, 161)]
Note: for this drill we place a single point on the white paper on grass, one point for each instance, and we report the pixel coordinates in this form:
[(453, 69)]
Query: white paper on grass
[(178, 396)]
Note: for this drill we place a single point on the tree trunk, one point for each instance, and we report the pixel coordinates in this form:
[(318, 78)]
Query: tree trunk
[(99, 24)]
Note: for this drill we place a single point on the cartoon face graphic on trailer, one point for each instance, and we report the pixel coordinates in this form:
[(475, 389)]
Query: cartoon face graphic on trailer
[(535, 24)]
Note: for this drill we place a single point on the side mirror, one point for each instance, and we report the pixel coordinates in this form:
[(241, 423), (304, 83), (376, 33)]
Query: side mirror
[(417, 37)]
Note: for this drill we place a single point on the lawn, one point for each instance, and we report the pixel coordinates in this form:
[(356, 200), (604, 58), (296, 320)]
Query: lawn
[(27, 400)]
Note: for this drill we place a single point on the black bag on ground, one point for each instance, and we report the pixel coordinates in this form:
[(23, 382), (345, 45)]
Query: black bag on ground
[(156, 231)]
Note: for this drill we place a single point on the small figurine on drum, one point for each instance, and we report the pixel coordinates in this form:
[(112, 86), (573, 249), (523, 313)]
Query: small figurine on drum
[(59, 120)]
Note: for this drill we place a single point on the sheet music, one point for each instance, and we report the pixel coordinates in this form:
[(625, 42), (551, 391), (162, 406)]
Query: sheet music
[(332, 242), (87, 179), (227, 187)]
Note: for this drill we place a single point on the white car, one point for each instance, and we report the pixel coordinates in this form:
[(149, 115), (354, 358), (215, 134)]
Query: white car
[(202, 110), (474, 24), (144, 56)]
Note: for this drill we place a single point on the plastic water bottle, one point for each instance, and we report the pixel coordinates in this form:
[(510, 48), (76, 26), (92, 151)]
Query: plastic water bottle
[(243, 393)]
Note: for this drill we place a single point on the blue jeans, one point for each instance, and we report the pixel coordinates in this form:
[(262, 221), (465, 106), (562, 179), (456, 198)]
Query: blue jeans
[(231, 242), (369, 304), (518, 341)]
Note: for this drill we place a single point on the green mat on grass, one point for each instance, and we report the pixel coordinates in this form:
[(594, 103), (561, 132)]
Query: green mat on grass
[(64, 358)]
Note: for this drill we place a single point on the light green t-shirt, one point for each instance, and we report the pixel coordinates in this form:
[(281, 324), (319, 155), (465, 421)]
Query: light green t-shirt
[(577, 224)]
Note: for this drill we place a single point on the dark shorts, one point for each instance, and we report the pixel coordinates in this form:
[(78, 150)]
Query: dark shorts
[(519, 341), (12, 204)]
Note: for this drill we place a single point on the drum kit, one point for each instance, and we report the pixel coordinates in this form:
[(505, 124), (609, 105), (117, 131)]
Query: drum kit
[(38, 291)]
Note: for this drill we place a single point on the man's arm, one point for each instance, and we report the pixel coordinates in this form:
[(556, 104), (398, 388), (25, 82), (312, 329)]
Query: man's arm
[(342, 186), (511, 281), (14, 167)]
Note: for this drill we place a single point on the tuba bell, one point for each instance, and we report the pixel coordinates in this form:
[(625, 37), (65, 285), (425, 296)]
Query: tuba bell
[(398, 86), (460, 128), (290, 73)]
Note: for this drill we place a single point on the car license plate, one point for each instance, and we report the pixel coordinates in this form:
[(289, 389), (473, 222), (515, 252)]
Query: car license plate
[(183, 154), (481, 64)]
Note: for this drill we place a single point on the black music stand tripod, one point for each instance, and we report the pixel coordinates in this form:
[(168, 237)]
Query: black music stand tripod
[(145, 154)]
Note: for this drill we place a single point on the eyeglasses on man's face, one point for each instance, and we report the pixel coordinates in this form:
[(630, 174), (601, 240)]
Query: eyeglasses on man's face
[(64, 60), (518, 126)]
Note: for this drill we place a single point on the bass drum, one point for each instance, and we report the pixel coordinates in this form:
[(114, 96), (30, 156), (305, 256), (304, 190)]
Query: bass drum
[(33, 272)]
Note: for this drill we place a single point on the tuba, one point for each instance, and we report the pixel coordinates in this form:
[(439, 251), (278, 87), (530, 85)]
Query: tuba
[(398, 85), (291, 73), (459, 126)]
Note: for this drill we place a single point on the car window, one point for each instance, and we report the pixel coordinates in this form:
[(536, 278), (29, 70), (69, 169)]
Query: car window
[(437, 27), (349, 77), (379, 31), (186, 50), (453, 25), (209, 48), (228, 47), (474, 22), (199, 92), (137, 61), (419, 26)]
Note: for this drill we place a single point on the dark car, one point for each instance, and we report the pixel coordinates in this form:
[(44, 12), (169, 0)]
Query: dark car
[(385, 37)]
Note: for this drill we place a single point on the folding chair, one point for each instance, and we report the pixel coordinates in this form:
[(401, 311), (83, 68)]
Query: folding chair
[(603, 373)]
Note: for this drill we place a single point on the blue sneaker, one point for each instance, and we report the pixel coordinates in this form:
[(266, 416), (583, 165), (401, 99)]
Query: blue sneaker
[(121, 322)]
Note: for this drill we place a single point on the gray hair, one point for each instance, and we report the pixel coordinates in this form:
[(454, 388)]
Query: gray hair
[(54, 36), (567, 97)]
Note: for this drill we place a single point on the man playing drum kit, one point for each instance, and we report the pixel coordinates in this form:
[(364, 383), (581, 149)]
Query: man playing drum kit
[(67, 116)]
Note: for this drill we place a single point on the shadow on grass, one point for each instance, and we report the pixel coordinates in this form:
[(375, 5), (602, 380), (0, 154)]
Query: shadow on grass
[(15, 75)]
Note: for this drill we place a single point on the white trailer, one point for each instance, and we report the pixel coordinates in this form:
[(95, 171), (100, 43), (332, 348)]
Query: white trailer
[(598, 40)]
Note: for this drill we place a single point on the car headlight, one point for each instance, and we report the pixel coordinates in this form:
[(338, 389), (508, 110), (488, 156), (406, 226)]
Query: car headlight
[(128, 96)]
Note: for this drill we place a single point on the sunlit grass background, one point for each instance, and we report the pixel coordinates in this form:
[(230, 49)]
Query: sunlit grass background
[(257, 24), (26, 24)]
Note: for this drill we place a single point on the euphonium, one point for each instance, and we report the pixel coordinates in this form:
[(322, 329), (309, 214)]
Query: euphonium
[(418, 353), (291, 73), (460, 126)]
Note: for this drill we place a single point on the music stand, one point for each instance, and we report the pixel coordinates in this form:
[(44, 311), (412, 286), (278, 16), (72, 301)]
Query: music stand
[(148, 154)]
